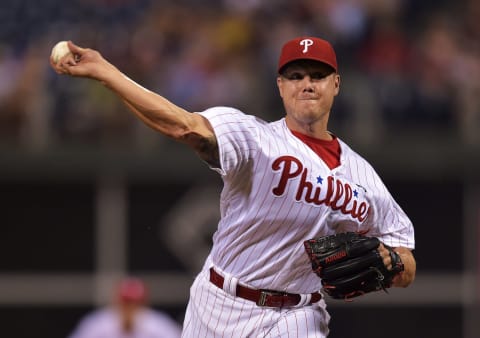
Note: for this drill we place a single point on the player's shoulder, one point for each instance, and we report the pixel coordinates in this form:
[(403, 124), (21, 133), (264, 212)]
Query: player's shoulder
[(228, 119), (348, 154), (226, 112), (346, 149), (223, 112), (219, 110)]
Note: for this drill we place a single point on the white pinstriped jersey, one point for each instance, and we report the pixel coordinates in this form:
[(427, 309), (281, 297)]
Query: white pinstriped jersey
[(278, 193)]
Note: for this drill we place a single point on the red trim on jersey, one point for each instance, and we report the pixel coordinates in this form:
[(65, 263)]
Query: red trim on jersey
[(328, 151)]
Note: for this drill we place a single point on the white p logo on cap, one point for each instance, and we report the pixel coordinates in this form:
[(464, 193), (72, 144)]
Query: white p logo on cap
[(306, 43)]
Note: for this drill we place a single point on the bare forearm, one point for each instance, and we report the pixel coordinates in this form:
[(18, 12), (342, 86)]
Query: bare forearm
[(165, 117), (153, 109)]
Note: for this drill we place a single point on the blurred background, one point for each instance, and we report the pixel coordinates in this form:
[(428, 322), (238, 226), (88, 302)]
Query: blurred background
[(89, 194)]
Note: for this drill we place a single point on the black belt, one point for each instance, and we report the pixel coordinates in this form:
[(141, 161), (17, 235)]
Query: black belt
[(267, 298)]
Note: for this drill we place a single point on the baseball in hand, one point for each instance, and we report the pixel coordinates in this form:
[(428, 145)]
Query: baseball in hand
[(59, 50)]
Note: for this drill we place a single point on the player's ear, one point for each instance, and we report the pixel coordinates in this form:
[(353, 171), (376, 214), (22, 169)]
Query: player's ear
[(337, 84), (280, 85)]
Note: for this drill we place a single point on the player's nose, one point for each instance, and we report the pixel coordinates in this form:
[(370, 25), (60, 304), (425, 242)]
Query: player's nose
[(307, 84), (308, 87)]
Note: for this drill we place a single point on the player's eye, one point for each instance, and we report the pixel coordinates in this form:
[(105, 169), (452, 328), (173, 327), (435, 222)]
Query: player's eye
[(317, 75), (294, 76), (300, 75)]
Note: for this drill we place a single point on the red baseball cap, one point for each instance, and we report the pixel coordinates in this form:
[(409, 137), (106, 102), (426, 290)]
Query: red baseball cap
[(307, 48), (132, 290)]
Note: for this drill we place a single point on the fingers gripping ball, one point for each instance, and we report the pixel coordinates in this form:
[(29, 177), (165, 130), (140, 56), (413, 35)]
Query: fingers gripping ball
[(59, 51), (350, 264)]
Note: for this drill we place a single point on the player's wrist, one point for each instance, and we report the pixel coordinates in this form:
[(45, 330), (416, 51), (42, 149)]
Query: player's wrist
[(396, 259)]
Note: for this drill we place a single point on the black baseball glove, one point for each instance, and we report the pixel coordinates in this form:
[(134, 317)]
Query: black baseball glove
[(350, 264)]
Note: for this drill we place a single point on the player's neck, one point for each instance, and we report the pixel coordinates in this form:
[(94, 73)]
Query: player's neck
[(316, 129)]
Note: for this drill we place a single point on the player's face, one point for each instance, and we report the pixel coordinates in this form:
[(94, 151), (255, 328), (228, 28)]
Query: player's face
[(308, 89)]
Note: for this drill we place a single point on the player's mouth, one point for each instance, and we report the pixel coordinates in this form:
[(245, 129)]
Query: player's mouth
[(308, 97)]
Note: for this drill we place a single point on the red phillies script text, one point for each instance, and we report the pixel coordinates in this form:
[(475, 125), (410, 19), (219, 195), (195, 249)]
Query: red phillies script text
[(336, 194)]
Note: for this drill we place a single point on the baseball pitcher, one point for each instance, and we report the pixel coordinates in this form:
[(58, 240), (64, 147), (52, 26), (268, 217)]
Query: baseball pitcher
[(303, 216)]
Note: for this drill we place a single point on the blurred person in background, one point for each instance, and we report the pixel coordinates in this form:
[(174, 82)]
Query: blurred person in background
[(127, 317)]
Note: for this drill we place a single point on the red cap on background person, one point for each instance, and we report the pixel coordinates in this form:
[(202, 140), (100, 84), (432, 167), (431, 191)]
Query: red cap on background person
[(307, 48), (132, 290)]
